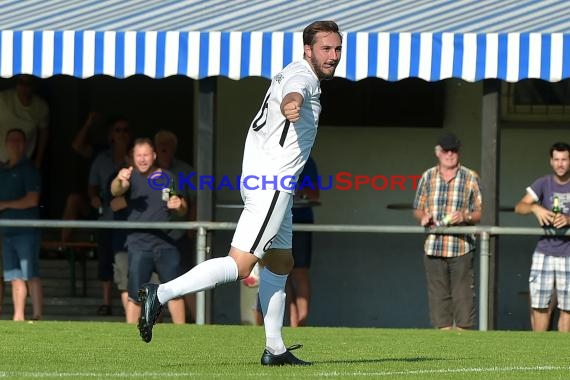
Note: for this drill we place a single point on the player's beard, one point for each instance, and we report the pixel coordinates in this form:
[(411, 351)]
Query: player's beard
[(320, 73)]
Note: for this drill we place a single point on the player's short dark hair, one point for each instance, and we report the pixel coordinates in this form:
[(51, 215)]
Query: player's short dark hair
[(143, 141), (312, 29), (559, 147)]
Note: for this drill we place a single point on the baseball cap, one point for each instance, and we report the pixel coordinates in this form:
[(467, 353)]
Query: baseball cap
[(449, 142)]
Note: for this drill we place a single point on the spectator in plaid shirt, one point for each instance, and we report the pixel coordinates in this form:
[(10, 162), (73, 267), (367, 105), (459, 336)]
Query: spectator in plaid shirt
[(448, 194)]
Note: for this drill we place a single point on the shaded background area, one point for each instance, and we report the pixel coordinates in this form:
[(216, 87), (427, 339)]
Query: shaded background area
[(149, 104)]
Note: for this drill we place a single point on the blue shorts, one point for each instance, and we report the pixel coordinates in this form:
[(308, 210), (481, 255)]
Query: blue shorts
[(21, 254), (165, 262)]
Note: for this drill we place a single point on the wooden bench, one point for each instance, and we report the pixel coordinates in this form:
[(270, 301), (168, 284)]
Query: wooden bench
[(72, 249)]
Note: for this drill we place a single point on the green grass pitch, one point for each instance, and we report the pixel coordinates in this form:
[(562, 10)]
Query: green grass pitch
[(90, 350)]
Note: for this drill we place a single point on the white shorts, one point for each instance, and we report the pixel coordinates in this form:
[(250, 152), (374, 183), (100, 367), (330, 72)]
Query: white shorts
[(548, 273), (265, 222)]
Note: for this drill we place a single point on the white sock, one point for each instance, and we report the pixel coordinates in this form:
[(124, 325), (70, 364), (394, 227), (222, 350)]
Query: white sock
[(203, 276), (272, 299)]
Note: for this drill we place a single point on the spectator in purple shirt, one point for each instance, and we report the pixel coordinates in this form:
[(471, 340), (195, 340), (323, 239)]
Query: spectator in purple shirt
[(551, 259)]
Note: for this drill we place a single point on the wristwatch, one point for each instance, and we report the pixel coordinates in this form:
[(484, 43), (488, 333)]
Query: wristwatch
[(468, 217)]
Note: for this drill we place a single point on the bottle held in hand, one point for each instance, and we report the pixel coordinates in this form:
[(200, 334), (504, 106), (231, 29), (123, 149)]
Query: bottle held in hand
[(172, 190), (556, 205), (445, 221), (165, 194)]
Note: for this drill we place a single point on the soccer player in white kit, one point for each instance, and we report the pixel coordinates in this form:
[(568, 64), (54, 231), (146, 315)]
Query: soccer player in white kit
[(278, 144)]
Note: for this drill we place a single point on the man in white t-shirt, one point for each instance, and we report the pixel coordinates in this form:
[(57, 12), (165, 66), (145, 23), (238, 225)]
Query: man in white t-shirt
[(278, 144), (21, 108)]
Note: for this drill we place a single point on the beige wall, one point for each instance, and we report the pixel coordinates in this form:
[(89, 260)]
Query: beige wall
[(358, 150), (389, 151)]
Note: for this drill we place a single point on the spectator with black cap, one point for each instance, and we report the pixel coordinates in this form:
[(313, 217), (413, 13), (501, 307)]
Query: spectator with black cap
[(448, 194)]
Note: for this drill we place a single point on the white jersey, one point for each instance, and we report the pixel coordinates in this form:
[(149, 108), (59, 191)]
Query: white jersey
[(276, 149)]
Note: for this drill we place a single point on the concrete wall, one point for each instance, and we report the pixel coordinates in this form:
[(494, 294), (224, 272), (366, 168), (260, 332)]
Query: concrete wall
[(378, 280)]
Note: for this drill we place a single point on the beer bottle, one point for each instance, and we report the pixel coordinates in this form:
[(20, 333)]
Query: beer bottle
[(556, 205), (445, 221), (173, 190), (165, 194)]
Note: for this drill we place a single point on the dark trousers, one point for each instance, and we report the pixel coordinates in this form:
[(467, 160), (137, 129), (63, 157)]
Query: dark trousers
[(451, 297)]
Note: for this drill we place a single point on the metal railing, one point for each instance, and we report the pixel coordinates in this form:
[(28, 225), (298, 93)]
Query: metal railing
[(483, 232)]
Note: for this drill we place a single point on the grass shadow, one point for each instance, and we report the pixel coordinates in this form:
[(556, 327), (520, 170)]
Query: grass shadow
[(363, 361)]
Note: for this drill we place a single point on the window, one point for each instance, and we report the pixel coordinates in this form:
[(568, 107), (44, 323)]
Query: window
[(534, 100), (375, 102)]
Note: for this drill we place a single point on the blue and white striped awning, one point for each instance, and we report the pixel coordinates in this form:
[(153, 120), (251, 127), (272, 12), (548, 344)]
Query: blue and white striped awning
[(430, 39)]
